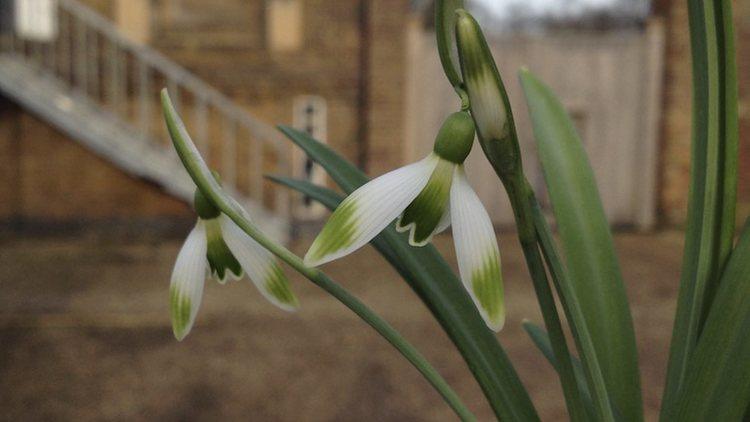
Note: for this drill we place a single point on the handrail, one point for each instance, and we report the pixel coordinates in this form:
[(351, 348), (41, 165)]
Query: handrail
[(99, 64)]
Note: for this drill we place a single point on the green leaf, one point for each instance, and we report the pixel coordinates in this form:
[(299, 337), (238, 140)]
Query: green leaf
[(589, 250), (713, 185), (436, 284), (445, 29), (717, 380)]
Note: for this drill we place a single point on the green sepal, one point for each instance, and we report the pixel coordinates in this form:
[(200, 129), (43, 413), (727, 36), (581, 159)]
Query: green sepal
[(220, 259)]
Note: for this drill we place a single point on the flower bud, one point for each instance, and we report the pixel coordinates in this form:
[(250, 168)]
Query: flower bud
[(489, 101), (455, 138), (481, 79)]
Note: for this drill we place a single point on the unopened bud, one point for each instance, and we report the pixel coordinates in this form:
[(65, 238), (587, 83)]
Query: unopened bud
[(481, 78)]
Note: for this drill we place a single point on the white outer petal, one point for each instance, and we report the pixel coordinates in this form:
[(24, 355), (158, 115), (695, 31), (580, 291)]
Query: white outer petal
[(475, 240), (254, 259), (188, 278), (378, 203)]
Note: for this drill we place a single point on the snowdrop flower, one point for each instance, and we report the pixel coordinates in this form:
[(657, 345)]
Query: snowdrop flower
[(427, 197), (217, 244)]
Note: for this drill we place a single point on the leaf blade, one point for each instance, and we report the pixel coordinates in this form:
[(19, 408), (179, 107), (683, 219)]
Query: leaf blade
[(584, 231), (717, 382)]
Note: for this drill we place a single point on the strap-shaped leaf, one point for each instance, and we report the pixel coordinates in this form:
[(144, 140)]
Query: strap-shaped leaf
[(713, 184), (587, 242), (717, 379), (436, 284)]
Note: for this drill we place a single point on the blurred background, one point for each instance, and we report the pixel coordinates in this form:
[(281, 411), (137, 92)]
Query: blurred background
[(94, 203)]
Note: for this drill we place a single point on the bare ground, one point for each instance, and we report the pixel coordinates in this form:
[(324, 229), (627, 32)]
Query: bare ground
[(84, 335)]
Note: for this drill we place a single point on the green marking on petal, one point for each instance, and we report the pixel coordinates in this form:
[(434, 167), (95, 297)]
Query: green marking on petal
[(338, 233), (487, 285), (424, 213), (180, 308), (220, 258), (277, 286)]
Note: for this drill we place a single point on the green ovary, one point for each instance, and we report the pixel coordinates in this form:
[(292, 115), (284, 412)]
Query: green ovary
[(220, 258), (487, 284), (429, 206)]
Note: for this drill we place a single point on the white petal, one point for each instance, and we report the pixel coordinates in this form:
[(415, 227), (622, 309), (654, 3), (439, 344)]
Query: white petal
[(259, 264), (188, 277), (368, 210), (445, 221), (477, 251)]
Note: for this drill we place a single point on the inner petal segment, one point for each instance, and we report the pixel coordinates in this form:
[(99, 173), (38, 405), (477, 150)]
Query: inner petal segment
[(423, 216)]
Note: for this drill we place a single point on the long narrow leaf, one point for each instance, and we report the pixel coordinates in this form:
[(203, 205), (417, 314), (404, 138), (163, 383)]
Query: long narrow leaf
[(717, 380), (589, 250), (713, 186), (436, 284)]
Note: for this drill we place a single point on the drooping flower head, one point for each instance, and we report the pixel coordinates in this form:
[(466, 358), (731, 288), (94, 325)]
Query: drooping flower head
[(216, 245), (426, 197)]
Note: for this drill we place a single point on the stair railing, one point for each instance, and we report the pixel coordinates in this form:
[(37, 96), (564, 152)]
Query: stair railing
[(95, 62)]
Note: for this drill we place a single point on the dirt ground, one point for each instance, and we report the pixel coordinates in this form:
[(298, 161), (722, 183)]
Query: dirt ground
[(85, 335)]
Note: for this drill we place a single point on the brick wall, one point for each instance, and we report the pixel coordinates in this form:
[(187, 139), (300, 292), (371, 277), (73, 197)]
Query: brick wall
[(46, 177), (223, 42), (388, 20)]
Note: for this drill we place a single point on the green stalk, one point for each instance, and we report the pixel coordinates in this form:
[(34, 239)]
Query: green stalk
[(201, 175), (445, 30), (520, 195), (572, 308)]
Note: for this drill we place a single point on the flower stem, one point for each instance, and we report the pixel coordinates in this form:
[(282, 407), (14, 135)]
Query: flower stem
[(519, 191), (201, 175)]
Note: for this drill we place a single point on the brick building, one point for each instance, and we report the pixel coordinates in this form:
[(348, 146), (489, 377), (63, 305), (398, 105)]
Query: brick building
[(267, 55)]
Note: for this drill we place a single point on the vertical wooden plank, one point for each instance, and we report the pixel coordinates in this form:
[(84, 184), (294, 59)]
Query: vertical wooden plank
[(256, 164), (229, 150), (645, 215), (201, 127), (144, 99), (81, 45)]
